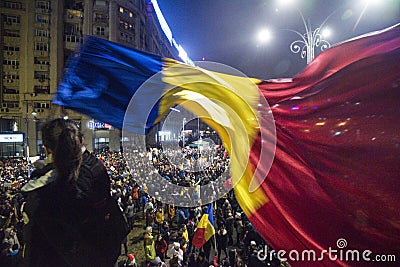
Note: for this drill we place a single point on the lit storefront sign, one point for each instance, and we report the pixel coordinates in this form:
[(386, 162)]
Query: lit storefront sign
[(11, 138), (98, 125)]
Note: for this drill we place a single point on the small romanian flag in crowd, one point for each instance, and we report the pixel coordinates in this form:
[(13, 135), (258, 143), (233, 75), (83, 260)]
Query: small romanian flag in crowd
[(205, 229)]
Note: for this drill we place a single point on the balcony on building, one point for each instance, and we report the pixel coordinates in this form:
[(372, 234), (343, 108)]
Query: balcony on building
[(41, 89), (73, 16)]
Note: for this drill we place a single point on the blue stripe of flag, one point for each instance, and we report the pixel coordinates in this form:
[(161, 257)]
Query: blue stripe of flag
[(102, 77)]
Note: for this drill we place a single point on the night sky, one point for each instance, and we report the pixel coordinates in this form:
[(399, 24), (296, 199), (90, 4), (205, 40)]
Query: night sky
[(225, 31)]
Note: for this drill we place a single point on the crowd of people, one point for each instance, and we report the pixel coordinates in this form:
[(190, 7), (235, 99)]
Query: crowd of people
[(13, 174), (169, 227)]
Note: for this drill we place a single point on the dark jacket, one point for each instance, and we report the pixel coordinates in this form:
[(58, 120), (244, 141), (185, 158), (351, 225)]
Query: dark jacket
[(63, 227)]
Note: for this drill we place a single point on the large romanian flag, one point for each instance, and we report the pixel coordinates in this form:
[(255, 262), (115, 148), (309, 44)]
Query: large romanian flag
[(205, 228), (315, 159)]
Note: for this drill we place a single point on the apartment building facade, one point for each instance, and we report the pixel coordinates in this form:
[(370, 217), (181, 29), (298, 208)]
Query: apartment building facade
[(36, 39)]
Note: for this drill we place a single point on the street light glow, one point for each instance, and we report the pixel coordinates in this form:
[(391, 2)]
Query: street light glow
[(326, 32), (264, 36), (372, 2), (366, 4), (286, 2)]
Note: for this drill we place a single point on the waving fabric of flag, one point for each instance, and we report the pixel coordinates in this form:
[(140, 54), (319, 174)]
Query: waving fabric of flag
[(102, 77), (205, 228), (335, 180), (332, 188)]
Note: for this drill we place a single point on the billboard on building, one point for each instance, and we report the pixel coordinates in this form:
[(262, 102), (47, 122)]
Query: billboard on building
[(11, 137)]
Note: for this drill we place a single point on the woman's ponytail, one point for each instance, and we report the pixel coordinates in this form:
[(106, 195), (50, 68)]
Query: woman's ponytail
[(63, 138)]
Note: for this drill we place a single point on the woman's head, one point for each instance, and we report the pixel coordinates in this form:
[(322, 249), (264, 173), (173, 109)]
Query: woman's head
[(62, 139)]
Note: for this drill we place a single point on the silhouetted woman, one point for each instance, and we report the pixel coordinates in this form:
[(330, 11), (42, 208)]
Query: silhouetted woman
[(65, 205)]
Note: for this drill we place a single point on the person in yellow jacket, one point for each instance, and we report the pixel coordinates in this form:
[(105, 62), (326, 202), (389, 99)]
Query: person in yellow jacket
[(150, 249), (171, 214), (160, 217), (185, 237)]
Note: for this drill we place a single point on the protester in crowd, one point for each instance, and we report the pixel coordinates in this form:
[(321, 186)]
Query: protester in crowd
[(148, 234), (165, 232), (157, 262), (222, 241), (229, 225), (149, 212), (176, 254), (239, 228), (161, 247), (130, 213), (130, 261), (185, 237), (201, 260), (11, 248), (190, 229), (159, 218), (135, 197), (64, 205), (149, 249), (191, 260), (254, 258), (181, 217), (171, 213)]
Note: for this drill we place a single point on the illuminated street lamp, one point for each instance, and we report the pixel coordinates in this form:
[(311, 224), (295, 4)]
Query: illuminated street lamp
[(183, 131), (366, 4), (309, 40), (34, 113), (264, 36)]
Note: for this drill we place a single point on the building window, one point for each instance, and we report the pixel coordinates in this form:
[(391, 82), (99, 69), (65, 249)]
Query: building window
[(101, 18), (8, 76), (72, 29), (41, 32), (74, 14), (42, 46), (42, 75), (41, 105), (11, 62), (130, 15), (13, 5), (11, 33), (42, 18), (10, 104), (72, 38), (43, 4), (101, 142), (40, 89), (121, 9), (11, 19), (100, 31), (42, 61), (11, 48)]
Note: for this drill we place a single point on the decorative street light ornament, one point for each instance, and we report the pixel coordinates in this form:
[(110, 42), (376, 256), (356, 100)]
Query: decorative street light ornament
[(309, 40), (306, 46)]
